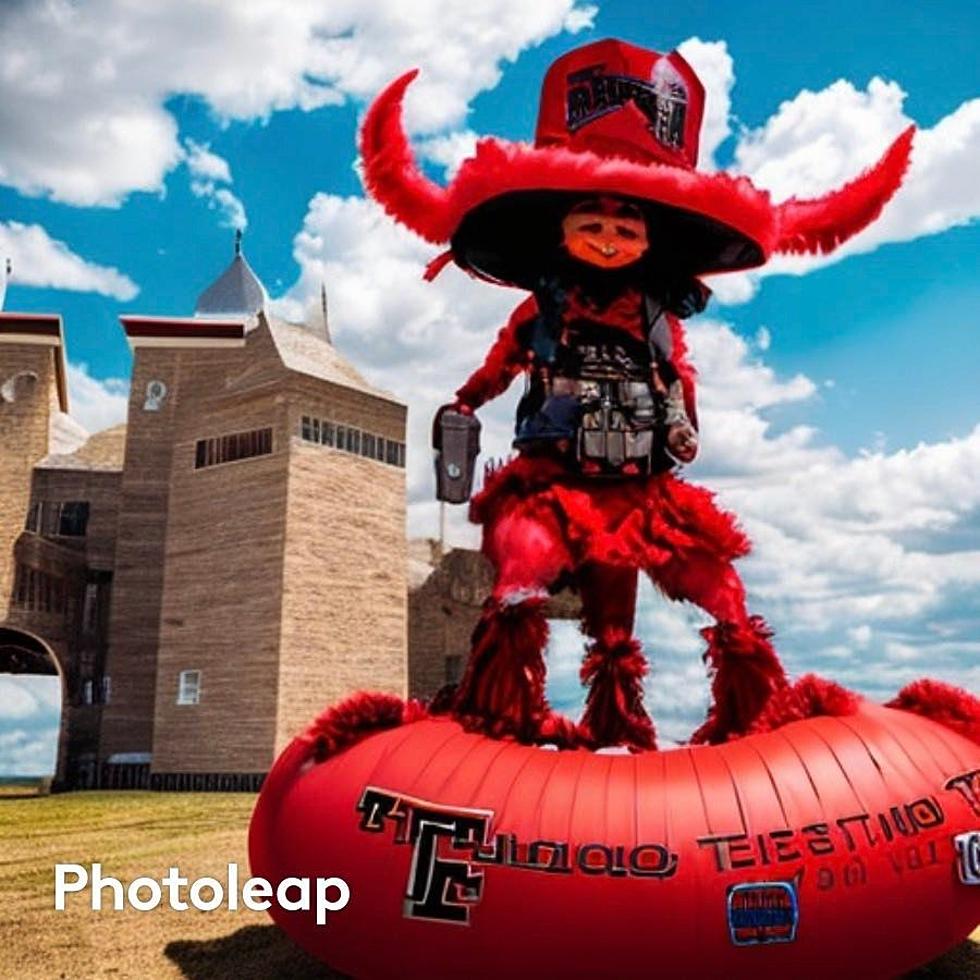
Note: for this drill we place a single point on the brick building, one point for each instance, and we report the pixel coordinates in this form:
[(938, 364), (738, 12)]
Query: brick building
[(206, 577)]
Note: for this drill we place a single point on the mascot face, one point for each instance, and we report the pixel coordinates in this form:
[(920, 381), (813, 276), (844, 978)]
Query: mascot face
[(605, 232)]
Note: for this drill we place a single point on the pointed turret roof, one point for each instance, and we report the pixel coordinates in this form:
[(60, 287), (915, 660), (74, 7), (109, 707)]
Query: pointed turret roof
[(237, 291)]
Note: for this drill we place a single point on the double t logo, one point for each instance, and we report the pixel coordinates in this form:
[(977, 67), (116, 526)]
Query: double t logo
[(439, 888)]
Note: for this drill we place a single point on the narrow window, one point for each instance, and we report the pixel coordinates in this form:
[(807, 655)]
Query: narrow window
[(34, 517), (50, 517), (367, 445), (87, 691), (354, 441), (239, 445), (341, 437), (327, 433), (307, 428), (391, 453), (380, 454), (106, 691), (90, 608), (19, 585), (189, 687)]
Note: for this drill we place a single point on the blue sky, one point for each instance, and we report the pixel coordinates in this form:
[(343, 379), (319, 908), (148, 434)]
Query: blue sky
[(135, 139)]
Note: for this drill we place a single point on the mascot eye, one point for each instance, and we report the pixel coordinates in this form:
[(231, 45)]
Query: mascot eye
[(626, 233), (593, 227)]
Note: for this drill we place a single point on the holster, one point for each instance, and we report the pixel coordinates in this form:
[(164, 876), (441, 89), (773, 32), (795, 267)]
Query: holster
[(456, 440)]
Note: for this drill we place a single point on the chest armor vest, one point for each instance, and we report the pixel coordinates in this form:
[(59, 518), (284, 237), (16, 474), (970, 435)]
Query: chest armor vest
[(591, 397)]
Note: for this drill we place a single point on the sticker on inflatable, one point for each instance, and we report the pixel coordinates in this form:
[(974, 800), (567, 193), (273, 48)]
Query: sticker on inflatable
[(762, 912), (968, 851)]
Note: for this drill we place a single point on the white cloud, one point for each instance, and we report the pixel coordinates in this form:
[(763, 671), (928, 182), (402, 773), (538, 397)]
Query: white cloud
[(205, 165), (714, 66), (417, 339), (39, 260), (96, 404), (449, 150), (29, 711), (83, 113), (818, 141), (208, 172), (28, 753), (843, 544)]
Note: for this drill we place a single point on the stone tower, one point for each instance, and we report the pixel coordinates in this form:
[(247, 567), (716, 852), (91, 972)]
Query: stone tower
[(33, 396), (261, 559)]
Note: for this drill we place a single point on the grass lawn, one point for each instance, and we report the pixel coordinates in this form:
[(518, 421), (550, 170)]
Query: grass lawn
[(134, 833), (131, 833)]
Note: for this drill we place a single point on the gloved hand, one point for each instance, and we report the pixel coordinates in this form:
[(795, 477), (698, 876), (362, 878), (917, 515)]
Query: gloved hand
[(682, 442)]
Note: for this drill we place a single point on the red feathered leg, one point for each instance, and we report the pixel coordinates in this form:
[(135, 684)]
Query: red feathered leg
[(745, 669), (614, 667), (502, 690)]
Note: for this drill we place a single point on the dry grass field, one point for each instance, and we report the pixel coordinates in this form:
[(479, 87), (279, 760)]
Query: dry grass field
[(131, 833), (145, 833)]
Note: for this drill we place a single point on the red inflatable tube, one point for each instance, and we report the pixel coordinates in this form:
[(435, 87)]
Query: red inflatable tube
[(832, 847)]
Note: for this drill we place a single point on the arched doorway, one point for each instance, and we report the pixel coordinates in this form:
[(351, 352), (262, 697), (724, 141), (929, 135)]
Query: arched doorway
[(32, 682)]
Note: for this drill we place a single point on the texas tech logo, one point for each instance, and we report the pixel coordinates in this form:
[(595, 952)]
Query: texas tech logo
[(439, 888), (592, 93), (449, 844), (967, 784)]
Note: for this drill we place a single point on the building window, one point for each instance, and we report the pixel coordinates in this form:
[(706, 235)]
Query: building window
[(106, 688), (454, 668), (55, 518), (189, 687), (88, 689), (37, 591), (239, 445), (352, 440), (73, 520)]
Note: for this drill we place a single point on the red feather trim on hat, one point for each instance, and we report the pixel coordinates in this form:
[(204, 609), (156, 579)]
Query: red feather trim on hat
[(498, 168)]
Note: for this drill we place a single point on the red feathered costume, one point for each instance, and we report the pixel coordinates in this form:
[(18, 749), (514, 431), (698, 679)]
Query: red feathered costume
[(600, 340)]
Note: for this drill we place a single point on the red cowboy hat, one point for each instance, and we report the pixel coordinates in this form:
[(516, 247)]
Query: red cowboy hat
[(614, 119)]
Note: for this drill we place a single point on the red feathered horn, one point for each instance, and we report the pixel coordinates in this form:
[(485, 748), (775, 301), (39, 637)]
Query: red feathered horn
[(391, 173), (820, 225)]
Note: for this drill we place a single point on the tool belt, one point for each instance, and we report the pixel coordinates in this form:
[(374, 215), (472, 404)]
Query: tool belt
[(609, 427)]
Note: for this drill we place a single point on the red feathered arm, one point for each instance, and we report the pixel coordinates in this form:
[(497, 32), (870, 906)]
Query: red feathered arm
[(506, 358), (820, 225)]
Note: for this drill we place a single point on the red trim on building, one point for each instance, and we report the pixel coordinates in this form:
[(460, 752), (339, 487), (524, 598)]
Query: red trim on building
[(41, 324), (183, 328)]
